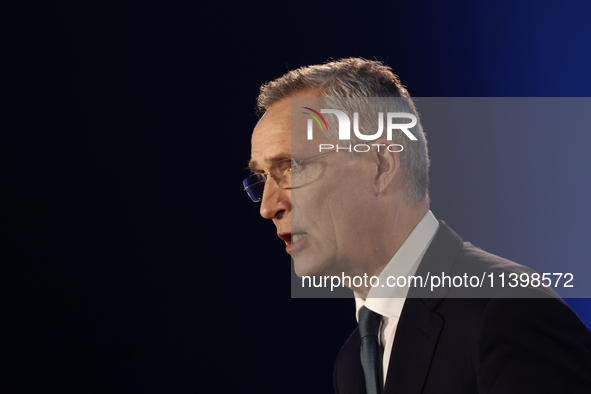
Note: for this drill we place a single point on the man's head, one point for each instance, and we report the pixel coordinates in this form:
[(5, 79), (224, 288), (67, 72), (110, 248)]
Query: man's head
[(337, 214), (356, 77)]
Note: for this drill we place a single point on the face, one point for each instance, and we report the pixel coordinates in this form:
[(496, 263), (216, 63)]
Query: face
[(326, 218)]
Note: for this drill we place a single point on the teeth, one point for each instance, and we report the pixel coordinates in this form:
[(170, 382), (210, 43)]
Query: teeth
[(295, 237)]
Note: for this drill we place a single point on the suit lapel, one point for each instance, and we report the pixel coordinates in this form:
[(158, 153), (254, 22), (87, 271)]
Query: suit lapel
[(420, 326), (348, 377), (414, 344)]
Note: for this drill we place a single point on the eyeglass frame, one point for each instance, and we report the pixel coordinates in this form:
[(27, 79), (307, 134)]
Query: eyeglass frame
[(294, 163)]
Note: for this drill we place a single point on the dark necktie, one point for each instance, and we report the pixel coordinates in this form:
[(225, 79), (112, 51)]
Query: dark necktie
[(371, 353)]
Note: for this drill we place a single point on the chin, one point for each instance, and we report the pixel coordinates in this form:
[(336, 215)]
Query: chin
[(311, 267), (303, 268)]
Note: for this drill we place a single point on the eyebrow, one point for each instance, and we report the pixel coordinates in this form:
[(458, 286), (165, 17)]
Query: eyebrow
[(253, 165)]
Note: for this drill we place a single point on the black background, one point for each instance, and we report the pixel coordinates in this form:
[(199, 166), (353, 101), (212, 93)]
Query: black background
[(135, 263)]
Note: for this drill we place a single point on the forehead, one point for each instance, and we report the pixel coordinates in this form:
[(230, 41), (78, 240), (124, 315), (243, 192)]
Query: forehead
[(271, 137)]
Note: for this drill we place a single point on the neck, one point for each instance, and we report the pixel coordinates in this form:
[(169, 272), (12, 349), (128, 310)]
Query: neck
[(399, 223)]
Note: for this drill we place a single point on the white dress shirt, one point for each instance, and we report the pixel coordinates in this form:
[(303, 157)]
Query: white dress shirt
[(388, 301)]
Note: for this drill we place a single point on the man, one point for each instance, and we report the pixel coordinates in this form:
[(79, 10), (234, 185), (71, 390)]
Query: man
[(358, 213)]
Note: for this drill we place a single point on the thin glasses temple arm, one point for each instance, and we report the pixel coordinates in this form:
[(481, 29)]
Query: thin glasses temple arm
[(297, 163), (312, 157)]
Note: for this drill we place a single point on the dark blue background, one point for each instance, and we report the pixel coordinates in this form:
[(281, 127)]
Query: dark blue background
[(136, 263)]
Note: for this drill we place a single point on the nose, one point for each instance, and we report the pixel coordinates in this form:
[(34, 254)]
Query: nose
[(275, 202)]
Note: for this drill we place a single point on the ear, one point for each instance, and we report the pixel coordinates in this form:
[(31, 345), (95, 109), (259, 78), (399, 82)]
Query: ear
[(388, 164)]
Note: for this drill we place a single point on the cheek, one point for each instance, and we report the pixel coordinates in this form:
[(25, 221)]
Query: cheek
[(349, 190), (350, 205), (334, 207)]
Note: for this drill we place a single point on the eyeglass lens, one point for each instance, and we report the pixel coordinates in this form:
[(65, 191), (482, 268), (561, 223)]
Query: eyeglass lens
[(254, 186), (255, 183)]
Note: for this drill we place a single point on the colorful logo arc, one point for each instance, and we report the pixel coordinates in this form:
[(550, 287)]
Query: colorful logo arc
[(316, 119)]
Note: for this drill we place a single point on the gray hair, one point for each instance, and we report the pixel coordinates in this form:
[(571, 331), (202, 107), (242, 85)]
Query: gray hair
[(360, 78)]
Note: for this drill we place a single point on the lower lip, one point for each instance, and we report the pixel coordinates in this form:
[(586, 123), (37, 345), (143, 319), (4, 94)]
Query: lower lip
[(291, 245)]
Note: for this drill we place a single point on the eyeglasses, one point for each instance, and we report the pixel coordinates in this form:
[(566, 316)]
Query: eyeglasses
[(281, 171)]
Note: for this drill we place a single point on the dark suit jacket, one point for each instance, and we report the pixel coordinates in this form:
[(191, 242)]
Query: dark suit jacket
[(444, 344)]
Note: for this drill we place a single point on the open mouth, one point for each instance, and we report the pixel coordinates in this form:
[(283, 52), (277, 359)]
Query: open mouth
[(296, 237), (292, 239)]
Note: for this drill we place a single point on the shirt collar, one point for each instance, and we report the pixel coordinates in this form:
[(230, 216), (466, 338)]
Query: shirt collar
[(388, 301)]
